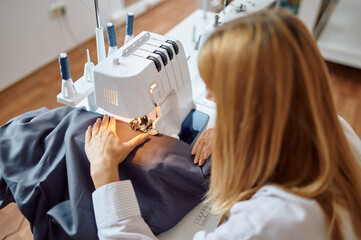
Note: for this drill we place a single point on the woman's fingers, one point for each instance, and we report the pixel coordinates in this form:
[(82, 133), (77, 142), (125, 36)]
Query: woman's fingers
[(203, 149), (105, 123), (133, 143), (204, 154), (194, 149), (196, 145), (197, 149), (201, 162), (96, 127), (88, 134), (129, 146), (112, 125), (198, 155)]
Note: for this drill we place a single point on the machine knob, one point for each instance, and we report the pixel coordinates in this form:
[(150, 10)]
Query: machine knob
[(216, 21), (242, 8), (116, 61)]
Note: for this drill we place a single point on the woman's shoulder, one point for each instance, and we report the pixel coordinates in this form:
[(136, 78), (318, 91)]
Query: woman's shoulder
[(273, 213)]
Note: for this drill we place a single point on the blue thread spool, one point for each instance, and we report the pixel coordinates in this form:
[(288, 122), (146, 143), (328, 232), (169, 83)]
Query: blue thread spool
[(112, 39), (64, 66), (129, 24), (67, 87)]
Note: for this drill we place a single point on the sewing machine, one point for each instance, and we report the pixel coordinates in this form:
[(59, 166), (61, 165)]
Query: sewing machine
[(147, 76), (147, 79)]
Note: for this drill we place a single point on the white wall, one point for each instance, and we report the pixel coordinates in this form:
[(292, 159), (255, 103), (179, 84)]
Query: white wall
[(30, 37), (340, 40)]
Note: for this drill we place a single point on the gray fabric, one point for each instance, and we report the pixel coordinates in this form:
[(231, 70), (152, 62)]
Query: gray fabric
[(44, 169)]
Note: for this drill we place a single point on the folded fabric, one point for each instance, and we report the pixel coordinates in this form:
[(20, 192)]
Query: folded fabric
[(44, 169)]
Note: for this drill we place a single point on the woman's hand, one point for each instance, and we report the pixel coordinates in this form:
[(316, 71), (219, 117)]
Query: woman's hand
[(105, 151), (203, 147)]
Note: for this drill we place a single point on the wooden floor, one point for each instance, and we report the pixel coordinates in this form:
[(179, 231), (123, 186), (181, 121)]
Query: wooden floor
[(347, 91), (23, 97)]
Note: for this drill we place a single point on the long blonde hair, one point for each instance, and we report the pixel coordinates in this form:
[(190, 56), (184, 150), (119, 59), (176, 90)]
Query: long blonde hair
[(276, 121)]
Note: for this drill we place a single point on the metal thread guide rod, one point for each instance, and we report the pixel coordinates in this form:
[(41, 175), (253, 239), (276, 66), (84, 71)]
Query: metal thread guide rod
[(89, 69), (225, 4), (99, 35), (205, 8)]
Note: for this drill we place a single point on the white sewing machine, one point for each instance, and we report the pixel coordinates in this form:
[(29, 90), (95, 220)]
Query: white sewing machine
[(150, 76), (147, 76), (146, 79)]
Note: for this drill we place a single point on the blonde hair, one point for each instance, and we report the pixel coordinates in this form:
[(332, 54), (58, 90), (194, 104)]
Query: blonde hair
[(276, 121)]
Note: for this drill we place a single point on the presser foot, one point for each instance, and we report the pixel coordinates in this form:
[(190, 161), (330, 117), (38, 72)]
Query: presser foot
[(143, 125)]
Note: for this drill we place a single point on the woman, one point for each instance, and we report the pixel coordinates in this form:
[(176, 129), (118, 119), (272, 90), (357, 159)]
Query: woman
[(282, 167)]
